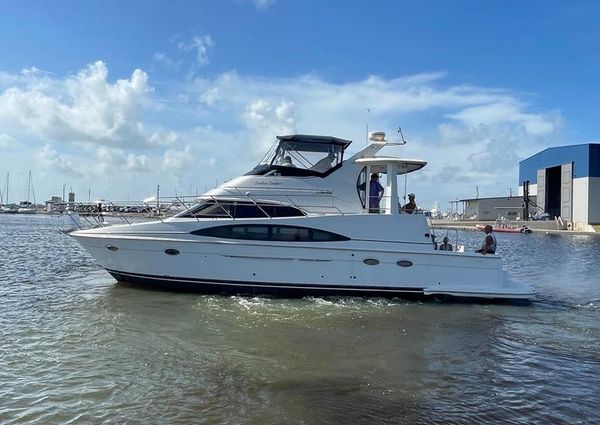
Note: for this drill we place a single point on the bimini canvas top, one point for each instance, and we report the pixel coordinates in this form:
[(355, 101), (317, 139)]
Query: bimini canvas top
[(306, 138)]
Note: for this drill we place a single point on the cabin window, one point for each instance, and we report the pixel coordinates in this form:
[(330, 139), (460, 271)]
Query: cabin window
[(267, 232), (240, 209)]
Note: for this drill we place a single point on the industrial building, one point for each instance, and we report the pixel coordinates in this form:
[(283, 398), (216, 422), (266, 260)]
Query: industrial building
[(565, 181), (507, 207)]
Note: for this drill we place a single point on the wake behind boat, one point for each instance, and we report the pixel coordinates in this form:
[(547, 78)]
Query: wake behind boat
[(302, 222)]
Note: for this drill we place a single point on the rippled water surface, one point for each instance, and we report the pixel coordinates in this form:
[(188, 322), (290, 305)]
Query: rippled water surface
[(78, 348)]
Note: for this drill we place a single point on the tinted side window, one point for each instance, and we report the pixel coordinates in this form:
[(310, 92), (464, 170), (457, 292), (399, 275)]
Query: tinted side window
[(270, 232), (283, 233), (218, 232), (257, 233), (241, 210), (209, 209), (319, 235), (282, 211), (248, 211)]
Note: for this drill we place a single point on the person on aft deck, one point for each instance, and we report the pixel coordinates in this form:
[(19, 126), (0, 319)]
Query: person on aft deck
[(489, 242), (411, 205), (445, 246)]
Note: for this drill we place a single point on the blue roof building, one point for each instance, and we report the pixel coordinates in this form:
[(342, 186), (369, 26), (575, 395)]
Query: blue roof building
[(566, 180)]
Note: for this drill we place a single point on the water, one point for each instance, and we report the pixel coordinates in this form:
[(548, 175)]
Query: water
[(78, 348)]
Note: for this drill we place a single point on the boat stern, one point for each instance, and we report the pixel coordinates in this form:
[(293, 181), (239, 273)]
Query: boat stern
[(510, 289)]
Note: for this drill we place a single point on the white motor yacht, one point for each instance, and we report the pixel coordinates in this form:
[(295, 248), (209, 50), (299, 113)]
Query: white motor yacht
[(299, 224), (26, 207)]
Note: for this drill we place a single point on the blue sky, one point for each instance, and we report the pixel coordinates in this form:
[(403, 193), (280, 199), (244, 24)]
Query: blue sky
[(121, 96)]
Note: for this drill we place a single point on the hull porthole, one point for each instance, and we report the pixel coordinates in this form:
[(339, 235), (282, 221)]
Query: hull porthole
[(404, 263), (112, 247), (371, 261), (171, 251)]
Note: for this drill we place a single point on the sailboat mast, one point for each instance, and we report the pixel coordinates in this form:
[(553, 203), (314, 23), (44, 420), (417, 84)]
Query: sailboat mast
[(28, 185)]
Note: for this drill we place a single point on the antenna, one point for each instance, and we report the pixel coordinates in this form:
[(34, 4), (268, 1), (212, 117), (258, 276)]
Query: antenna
[(403, 141), (367, 129)]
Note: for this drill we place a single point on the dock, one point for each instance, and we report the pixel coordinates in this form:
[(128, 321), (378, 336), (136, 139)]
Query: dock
[(542, 226)]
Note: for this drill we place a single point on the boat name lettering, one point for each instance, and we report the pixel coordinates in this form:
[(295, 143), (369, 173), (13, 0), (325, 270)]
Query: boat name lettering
[(268, 182)]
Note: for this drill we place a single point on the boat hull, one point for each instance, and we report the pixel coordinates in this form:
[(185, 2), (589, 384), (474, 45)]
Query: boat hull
[(297, 291), (354, 267), (260, 288)]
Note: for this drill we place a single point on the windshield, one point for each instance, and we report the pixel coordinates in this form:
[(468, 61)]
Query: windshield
[(302, 157), (318, 157)]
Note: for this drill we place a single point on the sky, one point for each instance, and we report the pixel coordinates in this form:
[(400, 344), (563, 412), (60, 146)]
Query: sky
[(112, 98)]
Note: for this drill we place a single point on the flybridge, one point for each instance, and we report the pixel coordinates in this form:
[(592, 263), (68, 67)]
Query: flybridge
[(302, 155)]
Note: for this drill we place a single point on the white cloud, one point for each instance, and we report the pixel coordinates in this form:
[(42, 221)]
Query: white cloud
[(163, 138), (210, 96), (189, 54), (481, 134), (199, 45), (87, 109), (33, 71), (164, 59), (502, 112), (114, 164), (265, 120), (194, 132), (244, 114), (137, 162), (202, 44), (174, 159), (51, 159)]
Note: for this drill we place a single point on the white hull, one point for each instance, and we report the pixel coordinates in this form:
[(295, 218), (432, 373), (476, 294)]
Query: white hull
[(302, 229), (137, 254)]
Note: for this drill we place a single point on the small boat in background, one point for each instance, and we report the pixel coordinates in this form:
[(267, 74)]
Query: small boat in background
[(5, 206), (9, 209), (26, 207), (506, 229)]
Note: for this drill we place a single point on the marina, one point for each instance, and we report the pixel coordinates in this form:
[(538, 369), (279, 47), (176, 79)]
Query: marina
[(273, 212), (79, 347), (80, 334)]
